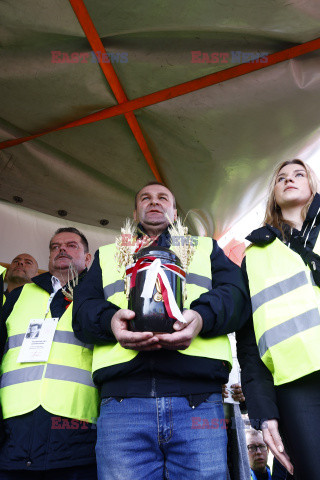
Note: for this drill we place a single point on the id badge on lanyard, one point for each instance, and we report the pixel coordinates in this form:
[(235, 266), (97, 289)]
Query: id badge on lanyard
[(38, 339)]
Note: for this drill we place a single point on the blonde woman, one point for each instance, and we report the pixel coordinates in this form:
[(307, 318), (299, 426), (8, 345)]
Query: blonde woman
[(279, 349)]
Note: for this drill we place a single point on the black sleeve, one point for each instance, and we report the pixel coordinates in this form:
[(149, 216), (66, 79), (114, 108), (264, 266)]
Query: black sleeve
[(3, 336), (226, 307), (6, 310), (92, 314), (1, 291), (256, 379), (2, 298)]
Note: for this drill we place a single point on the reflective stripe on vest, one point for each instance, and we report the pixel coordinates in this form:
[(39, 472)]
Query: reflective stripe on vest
[(62, 386), (59, 337), (286, 314), (56, 372), (198, 282)]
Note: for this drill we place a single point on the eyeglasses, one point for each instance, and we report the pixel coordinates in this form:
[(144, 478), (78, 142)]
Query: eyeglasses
[(253, 448)]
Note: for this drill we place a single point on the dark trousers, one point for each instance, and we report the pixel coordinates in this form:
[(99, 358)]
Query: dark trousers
[(85, 472), (299, 407), (279, 472)]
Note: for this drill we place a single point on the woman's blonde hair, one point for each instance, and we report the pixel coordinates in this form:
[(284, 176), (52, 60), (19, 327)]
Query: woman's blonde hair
[(273, 215)]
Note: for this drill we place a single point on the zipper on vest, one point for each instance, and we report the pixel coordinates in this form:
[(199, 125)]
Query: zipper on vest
[(28, 460), (153, 379)]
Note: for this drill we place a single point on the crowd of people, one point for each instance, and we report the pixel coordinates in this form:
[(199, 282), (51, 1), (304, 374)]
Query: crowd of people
[(85, 396)]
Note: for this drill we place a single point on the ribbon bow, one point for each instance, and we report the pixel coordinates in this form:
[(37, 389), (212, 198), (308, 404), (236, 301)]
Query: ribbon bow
[(155, 271)]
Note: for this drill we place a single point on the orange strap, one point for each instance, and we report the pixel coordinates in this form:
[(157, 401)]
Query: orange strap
[(111, 76), (177, 90)]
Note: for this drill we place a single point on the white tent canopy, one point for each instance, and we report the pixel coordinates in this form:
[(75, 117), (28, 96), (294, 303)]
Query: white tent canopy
[(214, 147), (28, 231)]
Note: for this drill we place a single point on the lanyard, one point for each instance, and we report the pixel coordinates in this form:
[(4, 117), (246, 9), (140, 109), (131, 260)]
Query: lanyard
[(48, 304)]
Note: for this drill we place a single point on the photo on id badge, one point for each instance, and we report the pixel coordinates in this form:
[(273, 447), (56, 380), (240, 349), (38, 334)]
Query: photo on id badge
[(33, 330)]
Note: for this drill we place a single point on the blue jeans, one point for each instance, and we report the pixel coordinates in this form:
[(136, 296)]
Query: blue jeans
[(161, 438)]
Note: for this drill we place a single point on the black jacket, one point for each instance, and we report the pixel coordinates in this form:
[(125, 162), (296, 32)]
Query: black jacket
[(2, 434), (39, 440), (256, 379), (224, 309)]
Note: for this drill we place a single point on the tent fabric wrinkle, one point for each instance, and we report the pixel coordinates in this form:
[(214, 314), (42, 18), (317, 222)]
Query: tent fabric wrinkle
[(100, 98)]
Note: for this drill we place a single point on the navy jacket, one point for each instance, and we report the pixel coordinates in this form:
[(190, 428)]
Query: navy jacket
[(224, 309), (39, 440)]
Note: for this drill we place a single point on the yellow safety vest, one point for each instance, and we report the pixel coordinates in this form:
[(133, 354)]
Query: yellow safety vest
[(199, 280), (62, 385), (286, 314)]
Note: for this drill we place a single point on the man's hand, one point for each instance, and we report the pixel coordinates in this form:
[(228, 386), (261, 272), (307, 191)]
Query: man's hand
[(225, 393), (132, 340), (272, 438), (184, 332), (237, 393)]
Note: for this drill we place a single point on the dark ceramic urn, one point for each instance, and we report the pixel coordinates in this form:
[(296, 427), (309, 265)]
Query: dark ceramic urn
[(151, 314)]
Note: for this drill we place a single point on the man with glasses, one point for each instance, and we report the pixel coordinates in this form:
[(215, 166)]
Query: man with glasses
[(258, 455)]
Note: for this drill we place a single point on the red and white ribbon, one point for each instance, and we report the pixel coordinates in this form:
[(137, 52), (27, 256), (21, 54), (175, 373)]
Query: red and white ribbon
[(155, 269)]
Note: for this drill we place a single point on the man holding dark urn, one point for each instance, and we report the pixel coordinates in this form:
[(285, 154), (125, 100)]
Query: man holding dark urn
[(161, 413)]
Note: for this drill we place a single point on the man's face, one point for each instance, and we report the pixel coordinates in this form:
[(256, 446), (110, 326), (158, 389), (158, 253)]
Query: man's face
[(258, 459), (23, 267), (65, 248), (33, 331), (154, 204)]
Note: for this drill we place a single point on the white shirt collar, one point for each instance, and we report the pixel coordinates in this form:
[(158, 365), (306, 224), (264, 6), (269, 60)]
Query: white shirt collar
[(56, 285)]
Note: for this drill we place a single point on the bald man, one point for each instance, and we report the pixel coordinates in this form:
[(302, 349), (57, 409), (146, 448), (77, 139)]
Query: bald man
[(23, 267)]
